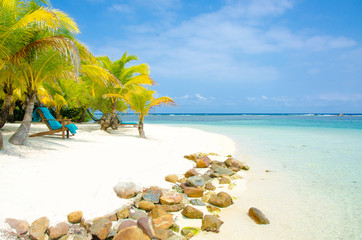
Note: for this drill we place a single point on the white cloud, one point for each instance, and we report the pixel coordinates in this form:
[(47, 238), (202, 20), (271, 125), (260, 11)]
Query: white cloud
[(199, 97)]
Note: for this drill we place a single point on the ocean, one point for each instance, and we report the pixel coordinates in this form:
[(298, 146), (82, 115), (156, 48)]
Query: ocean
[(313, 189)]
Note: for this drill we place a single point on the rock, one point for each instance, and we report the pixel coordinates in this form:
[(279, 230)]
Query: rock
[(206, 176), (177, 188), (203, 162), (126, 224), (130, 233), (218, 171), (189, 232), (234, 164), (20, 226), (175, 227), (195, 181), (58, 230), (192, 157), (236, 176), (145, 224), (152, 194), (146, 205), (126, 189), (182, 180), (191, 212), (246, 167), (173, 208), (123, 213), (210, 186), (192, 191), (145, 237), (64, 237), (171, 198), (100, 228), (75, 217), (258, 216), (176, 237), (164, 222), (171, 178), (190, 173), (222, 199), (207, 196), (136, 214), (112, 217), (197, 202), (212, 209), (163, 234), (38, 228), (225, 180), (157, 212), (211, 223)]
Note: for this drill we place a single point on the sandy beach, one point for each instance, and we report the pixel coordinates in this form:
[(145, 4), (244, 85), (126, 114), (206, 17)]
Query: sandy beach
[(52, 177)]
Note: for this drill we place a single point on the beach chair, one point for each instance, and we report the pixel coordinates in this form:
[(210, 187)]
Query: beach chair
[(126, 124), (54, 125)]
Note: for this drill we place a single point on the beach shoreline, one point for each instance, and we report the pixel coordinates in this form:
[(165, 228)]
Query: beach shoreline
[(85, 166)]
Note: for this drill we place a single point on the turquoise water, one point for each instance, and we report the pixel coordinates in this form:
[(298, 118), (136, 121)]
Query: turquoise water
[(318, 158)]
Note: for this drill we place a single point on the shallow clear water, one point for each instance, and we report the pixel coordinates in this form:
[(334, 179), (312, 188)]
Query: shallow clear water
[(317, 158)]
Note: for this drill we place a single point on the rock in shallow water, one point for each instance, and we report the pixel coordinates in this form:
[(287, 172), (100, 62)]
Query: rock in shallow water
[(258, 216)]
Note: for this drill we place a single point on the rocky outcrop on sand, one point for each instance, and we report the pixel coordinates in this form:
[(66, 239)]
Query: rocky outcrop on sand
[(151, 215)]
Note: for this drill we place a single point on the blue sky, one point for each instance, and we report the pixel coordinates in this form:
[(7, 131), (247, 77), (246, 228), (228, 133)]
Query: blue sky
[(230, 56)]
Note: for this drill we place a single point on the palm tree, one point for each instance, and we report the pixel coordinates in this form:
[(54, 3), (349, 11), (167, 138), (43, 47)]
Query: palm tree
[(141, 100), (129, 77), (48, 54)]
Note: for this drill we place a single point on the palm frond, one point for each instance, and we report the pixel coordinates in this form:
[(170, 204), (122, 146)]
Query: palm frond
[(66, 21), (99, 74)]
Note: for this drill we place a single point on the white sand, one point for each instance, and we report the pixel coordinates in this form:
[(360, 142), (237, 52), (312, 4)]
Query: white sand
[(52, 177)]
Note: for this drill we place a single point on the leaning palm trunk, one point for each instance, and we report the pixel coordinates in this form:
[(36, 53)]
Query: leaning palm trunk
[(5, 109), (19, 137), (141, 131), (111, 121)]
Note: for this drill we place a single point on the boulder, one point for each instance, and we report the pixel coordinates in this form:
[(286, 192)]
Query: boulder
[(152, 194), (20, 226), (126, 224), (173, 208), (100, 228), (171, 198), (58, 230), (136, 214), (190, 173), (146, 205), (126, 189), (192, 157), (195, 181), (222, 199), (171, 178), (38, 228), (164, 222), (192, 191), (203, 162), (162, 234), (157, 212), (145, 224), (130, 233), (234, 164), (218, 171), (191, 212), (258, 216), (211, 223), (225, 179), (197, 202), (123, 213), (75, 217), (209, 186)]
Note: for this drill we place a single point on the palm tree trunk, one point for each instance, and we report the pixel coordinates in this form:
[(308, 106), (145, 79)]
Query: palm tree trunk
[(5, 109), (111, 120), (19, 137), (11, 117), (141, 131), (1, 141)]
